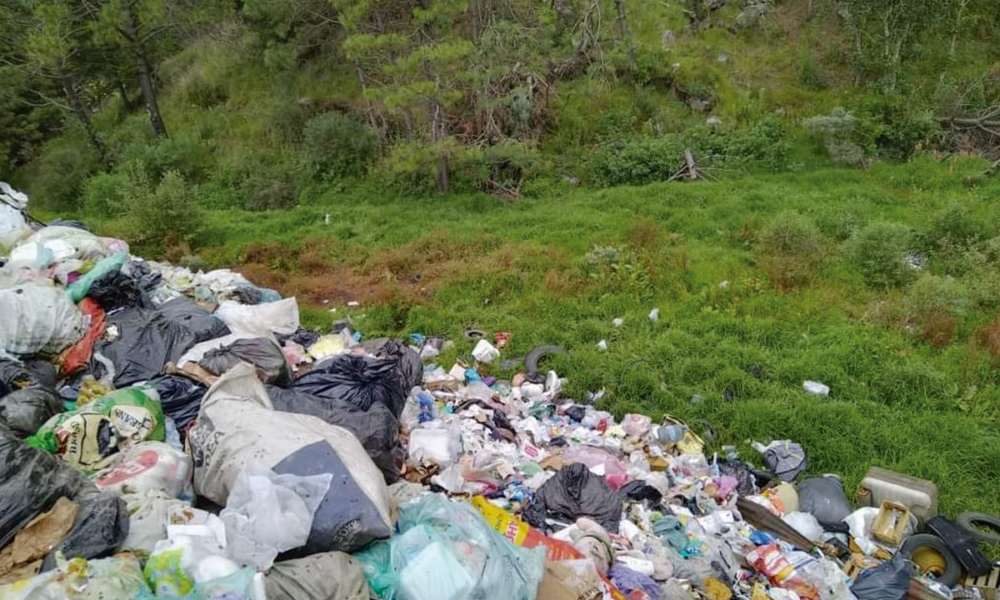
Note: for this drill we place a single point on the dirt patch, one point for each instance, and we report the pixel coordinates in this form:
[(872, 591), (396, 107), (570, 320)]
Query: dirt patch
[(323, 272)]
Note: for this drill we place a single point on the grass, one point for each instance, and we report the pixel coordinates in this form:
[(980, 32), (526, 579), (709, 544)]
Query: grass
[(437, 266)]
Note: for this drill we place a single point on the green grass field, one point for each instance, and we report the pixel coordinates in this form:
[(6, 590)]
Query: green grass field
[(916, 403)]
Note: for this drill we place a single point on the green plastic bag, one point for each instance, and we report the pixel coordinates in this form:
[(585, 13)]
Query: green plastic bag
[(78, 290), (90, 436)]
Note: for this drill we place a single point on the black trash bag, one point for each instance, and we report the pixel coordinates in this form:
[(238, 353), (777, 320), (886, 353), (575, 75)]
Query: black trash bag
[(100, 529), (303, 337), (180, 398), (14, 376), (262, 353), (68, 223), (42, 372), (748, 482), (786, 459), (572, 493), (24, 411), (116, 290), (360, 380), (888, 581), (376, 428), (146, 279), (147, 340), (248, 295), (639, 491), (203, 324), (824, 498), (31, 480), (408, 364)]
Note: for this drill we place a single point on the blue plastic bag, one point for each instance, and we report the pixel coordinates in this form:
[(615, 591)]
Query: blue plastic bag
[(446, 551)]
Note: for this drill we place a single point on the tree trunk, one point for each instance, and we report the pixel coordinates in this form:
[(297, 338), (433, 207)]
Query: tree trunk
[(144, 71), (624, 31), (79, 109), (437, 134), (127, 105)]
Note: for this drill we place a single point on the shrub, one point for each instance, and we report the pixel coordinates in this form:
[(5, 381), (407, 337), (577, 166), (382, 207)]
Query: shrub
[(62, 170), (638, 162), (765, 144), (103, 194), (790, 249), (882, 252), (889, 126), (837, 132), (156, 212), (190, 158), (338, 146), (199, 90)]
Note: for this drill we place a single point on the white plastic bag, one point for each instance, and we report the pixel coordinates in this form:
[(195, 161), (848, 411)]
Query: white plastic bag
[(485, 352), (806, 524), (149, 467), (261, 320), (150, 514), (38, 318), (438, 446), (268, 513)]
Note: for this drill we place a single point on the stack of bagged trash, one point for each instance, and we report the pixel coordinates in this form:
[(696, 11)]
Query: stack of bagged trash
[(171, 434)]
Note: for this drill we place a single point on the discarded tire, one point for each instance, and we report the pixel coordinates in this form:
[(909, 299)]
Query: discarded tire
[(975, 522), (930, 553), (538, 353)]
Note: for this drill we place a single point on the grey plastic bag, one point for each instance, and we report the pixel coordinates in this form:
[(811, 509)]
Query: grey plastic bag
[(262, 353), (324, 576), (824, 498), (888, 581)]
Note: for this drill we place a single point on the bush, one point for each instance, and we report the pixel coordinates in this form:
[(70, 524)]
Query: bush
[(338, 146), (258, 181), (201, 91), (103, 194), (192, 159), (882, 252), (889, 126), (837, 131), (61, 170), (790, 249), (638, 162), (168, 209), (765, 144)]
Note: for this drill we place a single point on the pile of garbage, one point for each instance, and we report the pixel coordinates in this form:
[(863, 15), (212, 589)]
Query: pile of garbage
[(170, 434)]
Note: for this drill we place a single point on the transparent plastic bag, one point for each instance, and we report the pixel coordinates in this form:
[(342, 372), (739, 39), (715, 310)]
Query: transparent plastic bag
[(268, 513), (447, 551)]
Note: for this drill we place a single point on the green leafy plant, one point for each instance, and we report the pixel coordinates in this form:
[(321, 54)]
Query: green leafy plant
[(337, 146), (789, 249), (883, 254)]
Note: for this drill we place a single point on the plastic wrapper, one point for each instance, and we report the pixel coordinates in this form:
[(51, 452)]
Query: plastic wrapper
[(24, 411), (238, 426), (89, 438), (38, 318), (150, 514), (446, 551), (149, 467), (116, 578), (770, 562), (267, 514), (806, 524), (78, 355)]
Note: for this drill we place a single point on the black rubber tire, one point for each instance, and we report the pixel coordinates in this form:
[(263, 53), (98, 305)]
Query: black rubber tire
[(952, 568), (967, 519), (474, 335), (538, 353)]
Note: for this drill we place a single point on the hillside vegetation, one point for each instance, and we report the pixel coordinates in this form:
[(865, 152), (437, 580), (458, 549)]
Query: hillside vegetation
[(507, 165)]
